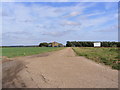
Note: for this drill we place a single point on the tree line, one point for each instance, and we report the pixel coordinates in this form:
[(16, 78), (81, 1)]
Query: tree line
[(45, 44), (91, 44)]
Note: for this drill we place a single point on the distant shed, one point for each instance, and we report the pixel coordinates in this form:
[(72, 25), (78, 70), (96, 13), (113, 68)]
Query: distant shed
[(97, 44), (55, 44)]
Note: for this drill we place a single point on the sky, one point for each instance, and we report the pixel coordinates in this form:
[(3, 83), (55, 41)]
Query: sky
[(30, 23), (60, 0)]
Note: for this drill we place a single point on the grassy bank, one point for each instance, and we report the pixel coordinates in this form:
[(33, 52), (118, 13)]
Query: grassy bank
[(107, 56), (25, 51)]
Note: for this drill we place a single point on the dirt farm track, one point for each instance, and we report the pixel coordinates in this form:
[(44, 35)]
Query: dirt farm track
[(57, 69)]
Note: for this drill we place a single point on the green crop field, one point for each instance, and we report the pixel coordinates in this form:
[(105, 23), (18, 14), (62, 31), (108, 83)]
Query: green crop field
[(107, 56), (25, 51)]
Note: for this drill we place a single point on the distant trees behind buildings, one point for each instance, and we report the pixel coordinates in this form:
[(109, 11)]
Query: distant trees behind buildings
[(45, 44), (91, 44)]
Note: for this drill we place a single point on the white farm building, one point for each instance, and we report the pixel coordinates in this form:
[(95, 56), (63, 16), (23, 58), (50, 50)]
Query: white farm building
[(97, 44)]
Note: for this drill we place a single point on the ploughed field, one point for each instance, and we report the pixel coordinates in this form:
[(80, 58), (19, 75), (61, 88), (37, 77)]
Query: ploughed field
[(107, 56), (25, 51)]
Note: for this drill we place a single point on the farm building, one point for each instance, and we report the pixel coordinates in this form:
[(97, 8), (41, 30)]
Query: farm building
[(55, 44), (97, 44), (52, 44)]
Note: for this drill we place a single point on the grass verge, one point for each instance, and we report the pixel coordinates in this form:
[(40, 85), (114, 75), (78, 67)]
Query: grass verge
[(107, 56)]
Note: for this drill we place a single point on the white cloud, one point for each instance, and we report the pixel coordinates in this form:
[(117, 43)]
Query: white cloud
[(96, 13), (113, 28), (56, 33), (70, 23), (100, 19), (72, 14)]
